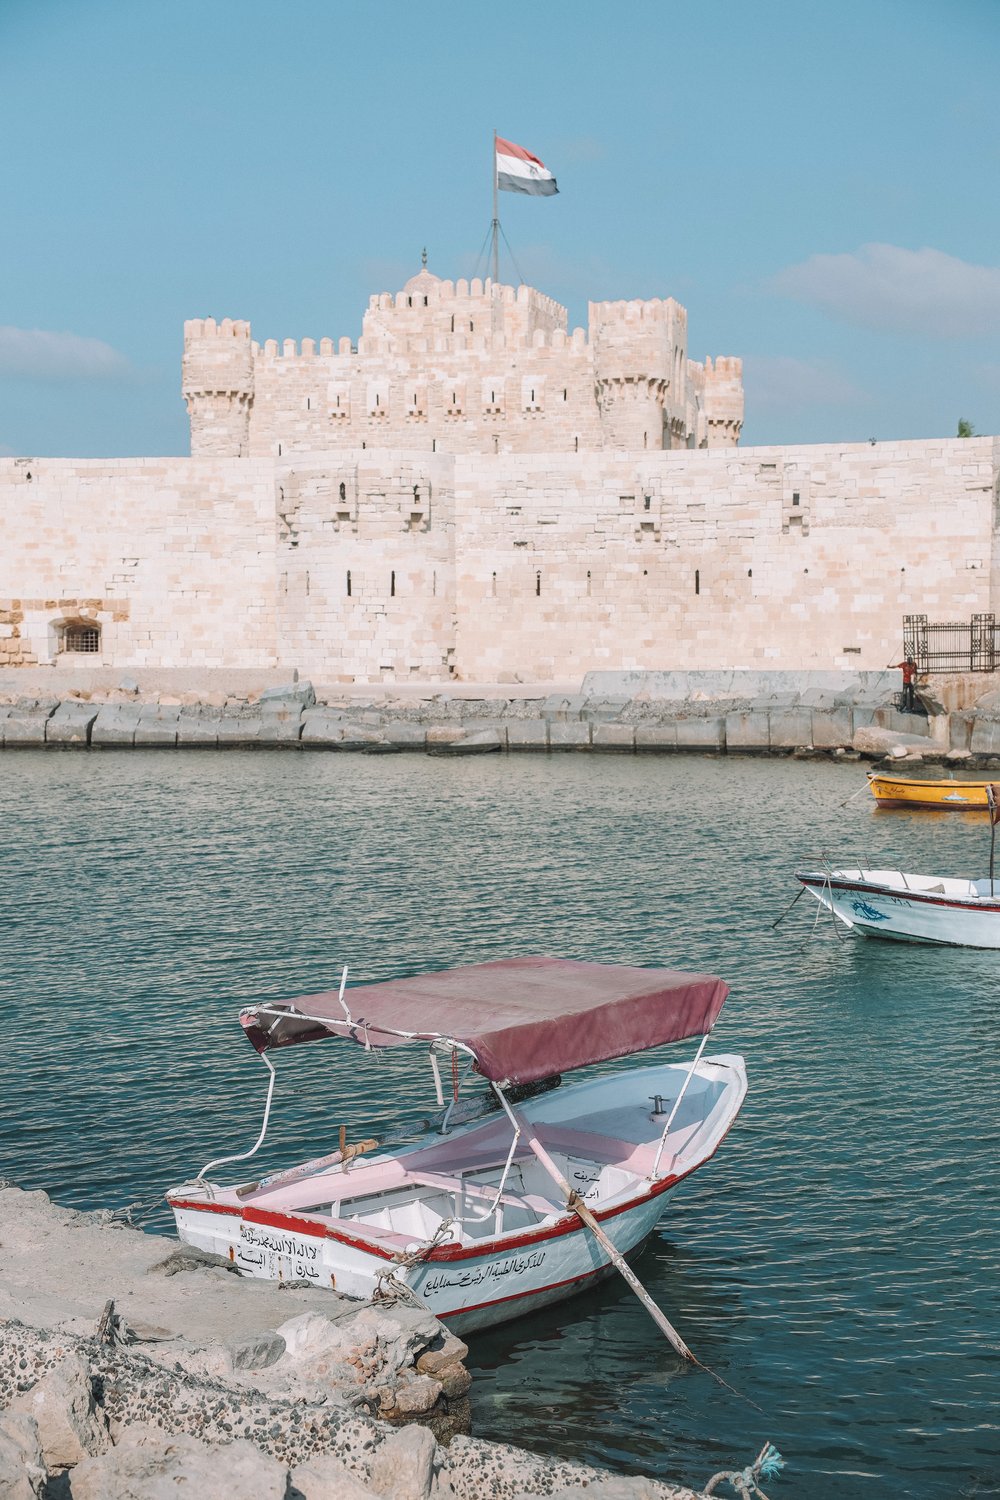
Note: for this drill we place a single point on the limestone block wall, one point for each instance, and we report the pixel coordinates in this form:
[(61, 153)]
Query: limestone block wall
[(462, 396), (173, 559), (393, 564), (366, 566), (780, 558)]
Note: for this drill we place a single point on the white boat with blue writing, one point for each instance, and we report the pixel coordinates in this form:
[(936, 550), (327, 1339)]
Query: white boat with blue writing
[(488, 1218), (912, 908)]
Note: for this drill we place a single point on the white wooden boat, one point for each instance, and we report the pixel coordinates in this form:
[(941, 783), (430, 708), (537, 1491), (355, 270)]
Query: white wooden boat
[(487, 1220), (913, 908)]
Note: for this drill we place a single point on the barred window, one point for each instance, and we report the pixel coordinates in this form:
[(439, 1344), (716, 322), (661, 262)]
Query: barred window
[(82, 638)]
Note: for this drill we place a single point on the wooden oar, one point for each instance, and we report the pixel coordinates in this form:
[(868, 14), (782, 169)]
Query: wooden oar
[(663, 1323), (583, 1213)]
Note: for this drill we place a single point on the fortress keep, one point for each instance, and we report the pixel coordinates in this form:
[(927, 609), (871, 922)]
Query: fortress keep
[(473, 492), (462, 368)]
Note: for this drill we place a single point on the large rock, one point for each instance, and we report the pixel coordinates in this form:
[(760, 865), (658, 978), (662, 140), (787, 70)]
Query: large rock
[(62, 1406), (871, 740), (22, 1468), (403, 735), (150, 1465), (198, 726), (569, 735), (71, 723), (327, 729), (528, 734), (25, 728), (324, 1477), (787, 728), (653, 737), (617, 737), (157, 724), (239, 729), (291, 695), (280, 722), (403, 1468), (116, 724), (985, 738), (482, 742), (701, 734), (832, 727), (562, 709), (748, 731)]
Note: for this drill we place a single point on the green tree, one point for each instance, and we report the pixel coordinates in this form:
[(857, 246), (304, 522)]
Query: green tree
[(965, 429)]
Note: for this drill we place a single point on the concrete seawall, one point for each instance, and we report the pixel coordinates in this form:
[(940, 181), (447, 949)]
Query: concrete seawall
[(778, 713)]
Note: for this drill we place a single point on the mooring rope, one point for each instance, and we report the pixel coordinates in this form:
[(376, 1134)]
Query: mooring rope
[(388, 1289), (767, 1465)]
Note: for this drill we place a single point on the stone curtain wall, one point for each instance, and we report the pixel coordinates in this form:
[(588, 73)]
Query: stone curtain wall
[(477, 565), (174, 559), (366, 566), (707, 560)]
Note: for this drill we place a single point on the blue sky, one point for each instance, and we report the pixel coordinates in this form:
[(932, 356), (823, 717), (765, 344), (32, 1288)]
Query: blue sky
[(817, 183)]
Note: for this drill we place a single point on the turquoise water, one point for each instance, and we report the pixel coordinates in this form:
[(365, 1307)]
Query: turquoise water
[(838, 1259)]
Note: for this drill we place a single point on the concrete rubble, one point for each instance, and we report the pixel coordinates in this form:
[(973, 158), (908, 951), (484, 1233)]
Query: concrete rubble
[(732, 712), (132, 1368)]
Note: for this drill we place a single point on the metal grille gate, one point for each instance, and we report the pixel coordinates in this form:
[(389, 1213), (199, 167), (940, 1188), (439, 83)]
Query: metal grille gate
[(952, 646)]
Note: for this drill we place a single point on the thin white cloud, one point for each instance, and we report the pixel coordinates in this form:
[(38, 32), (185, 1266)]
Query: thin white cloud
[(893, 290), (39, 354), (578, 149), (782, 383)]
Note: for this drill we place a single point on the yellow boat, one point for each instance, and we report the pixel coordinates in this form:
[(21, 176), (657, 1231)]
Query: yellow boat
[(945, 796)]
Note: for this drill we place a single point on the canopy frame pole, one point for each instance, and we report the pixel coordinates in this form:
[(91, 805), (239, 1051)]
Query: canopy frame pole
[(222, 1161), (435, 1069), (583, 1213), (677, 1105), (488, 1213)]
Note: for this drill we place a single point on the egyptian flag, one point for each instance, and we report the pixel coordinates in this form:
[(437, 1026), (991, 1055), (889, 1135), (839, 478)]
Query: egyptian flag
[(520, 172)]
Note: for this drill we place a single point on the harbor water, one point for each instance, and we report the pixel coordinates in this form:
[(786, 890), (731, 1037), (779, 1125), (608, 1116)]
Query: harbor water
[(837, 1262)]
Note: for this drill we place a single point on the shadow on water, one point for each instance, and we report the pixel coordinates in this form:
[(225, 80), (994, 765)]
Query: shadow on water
[(837, 1261)]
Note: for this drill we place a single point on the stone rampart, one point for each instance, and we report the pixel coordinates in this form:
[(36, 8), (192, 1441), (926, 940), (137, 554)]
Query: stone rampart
[(398, 566)]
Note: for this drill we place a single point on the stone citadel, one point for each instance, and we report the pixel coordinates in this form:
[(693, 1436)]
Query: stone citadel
[(473, 492)]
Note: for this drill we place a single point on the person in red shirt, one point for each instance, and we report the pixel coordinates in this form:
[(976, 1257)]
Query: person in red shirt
[(909, 670)]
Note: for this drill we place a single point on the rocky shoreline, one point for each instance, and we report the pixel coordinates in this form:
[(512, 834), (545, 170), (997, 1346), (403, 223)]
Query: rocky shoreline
[(627, 713), (132, 1368)]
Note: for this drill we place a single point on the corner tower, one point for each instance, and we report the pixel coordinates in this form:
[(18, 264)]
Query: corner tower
[(638, 356), (218, 386)]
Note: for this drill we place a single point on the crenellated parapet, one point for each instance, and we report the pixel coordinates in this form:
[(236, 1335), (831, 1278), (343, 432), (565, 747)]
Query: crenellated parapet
[(218, 386), (461, 366)]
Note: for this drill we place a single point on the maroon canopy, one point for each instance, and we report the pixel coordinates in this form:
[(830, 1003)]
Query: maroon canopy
[(523, 1018)]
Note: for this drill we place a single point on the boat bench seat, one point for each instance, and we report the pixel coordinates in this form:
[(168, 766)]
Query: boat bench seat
[(631, 1156), (533, 1201)]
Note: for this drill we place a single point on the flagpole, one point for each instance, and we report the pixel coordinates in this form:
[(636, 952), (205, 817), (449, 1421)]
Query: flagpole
[(496, 220)]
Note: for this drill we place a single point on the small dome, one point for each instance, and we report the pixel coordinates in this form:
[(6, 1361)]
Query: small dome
[(422, 282)]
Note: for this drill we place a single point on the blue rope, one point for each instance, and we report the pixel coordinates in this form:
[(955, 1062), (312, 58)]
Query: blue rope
[(771, 1464)]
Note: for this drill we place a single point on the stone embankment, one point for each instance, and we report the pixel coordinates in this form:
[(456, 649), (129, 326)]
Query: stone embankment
[(778, 713), (132, 1368)]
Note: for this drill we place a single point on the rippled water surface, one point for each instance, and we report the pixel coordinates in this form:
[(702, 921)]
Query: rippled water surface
[(838, 1259)]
